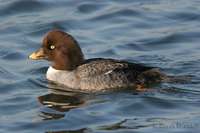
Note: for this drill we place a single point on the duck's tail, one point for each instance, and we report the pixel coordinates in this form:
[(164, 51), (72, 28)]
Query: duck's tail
[(177, 79), (154, 75)]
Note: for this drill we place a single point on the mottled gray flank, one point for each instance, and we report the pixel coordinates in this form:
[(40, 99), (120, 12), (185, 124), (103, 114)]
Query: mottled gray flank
[(96, 74)]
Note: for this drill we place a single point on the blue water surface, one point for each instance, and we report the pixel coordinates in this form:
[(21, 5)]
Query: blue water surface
[(159, 33)]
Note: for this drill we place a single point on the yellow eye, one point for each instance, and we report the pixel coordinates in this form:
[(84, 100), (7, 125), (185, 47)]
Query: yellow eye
[(52, 47)]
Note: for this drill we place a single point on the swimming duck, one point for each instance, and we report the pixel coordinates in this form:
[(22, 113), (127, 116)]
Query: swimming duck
[(71, 69)]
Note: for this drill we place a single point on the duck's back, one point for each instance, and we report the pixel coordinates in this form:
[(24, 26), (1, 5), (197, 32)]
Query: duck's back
[(101, 73)]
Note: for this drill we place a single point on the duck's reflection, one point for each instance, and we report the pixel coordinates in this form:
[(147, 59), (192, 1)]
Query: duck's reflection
[(63, 100), (49, 116), (83, 130)]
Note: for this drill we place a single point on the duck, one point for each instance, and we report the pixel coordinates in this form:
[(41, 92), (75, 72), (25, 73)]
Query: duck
[(69, 68)]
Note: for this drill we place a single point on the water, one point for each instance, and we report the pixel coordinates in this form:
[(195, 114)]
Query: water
[(163, 34)]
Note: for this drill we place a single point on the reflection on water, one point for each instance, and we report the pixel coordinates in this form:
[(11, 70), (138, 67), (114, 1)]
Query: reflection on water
[(64, 101), (84, 130), (49, 116)]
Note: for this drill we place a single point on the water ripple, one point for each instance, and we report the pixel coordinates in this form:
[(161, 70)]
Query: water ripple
[(20, 7)]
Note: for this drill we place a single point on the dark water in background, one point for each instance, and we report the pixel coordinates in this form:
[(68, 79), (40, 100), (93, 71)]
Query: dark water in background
[(163, 34)]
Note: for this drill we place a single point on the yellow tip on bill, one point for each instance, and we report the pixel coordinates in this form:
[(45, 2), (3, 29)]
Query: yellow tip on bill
[(35, 55)]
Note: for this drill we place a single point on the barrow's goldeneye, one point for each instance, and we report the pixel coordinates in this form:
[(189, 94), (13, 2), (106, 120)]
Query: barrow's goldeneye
[(69, 67)]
